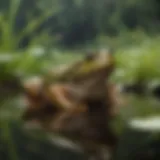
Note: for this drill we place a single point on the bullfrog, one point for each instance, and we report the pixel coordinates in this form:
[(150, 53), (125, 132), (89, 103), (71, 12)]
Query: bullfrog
[(84, 78), (78, 102)]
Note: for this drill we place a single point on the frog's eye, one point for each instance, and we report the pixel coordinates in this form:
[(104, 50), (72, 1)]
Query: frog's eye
[(90, 56)]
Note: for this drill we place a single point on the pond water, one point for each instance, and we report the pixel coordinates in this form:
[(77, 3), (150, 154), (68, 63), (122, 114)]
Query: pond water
[(17, 144)]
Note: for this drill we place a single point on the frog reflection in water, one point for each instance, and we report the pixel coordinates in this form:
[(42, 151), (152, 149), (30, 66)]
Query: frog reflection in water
[(80, 106)]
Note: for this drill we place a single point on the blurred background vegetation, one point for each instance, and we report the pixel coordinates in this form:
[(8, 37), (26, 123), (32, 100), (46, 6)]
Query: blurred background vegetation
[(36, 35)]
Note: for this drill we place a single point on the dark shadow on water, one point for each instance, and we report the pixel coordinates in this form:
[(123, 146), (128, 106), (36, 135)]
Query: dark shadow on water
[(31, 147)]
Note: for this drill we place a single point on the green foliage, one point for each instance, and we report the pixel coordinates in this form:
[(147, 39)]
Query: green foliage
[(9, 39), (74, 22), (13, 60), (139, 62)]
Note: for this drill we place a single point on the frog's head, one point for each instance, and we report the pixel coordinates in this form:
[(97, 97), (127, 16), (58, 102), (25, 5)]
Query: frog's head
[(97, 60), (94, 64)]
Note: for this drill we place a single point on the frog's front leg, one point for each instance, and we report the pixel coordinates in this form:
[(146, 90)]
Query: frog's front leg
[(59, 95)]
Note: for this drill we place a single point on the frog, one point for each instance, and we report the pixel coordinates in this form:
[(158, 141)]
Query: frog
[(80, 78), (76, 83), (77, 100), (88, 76)]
